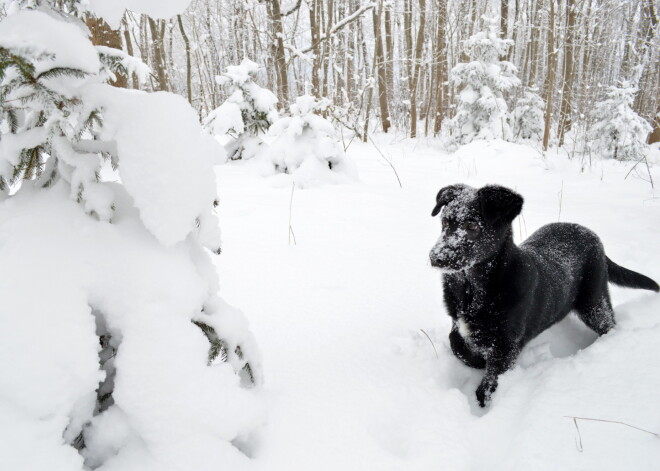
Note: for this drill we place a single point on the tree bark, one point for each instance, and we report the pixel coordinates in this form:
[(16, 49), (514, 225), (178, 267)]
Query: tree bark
[(550, 78), (315, 29), (103, 35), (280, 58), (129, 49), (187, 45), (159, 66), (567, 90), (380, 67), (414, 83), (440, 58)]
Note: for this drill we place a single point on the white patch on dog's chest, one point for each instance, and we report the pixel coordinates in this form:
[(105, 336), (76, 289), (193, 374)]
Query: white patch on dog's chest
[(463, 328)]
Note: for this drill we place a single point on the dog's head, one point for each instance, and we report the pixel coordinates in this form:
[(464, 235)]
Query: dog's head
[(475, 224)]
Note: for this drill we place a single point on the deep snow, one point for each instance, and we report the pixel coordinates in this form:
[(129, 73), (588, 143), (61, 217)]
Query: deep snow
[(351, 380)]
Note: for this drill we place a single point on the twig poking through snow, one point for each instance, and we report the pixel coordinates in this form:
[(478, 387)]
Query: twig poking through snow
[(432, 344), (291, 234), (387, 160), (579, 440), (646, 162)]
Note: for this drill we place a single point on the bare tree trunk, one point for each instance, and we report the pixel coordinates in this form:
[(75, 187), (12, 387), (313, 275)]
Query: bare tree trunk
[(567, 91), (103, 35), (389, 53), (380, 67), (407, 29), (326, 48), (314, 22), (534, 45), (129, 49), (187, 44), (159, 66), (504, 18), (550, 78), (280, 58), (440, 58), (414, 83), (655, 134)]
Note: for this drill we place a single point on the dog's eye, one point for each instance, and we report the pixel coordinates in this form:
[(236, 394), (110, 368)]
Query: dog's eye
[(472, 228)]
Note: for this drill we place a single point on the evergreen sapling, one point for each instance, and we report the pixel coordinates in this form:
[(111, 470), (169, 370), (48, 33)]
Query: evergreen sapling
[(482, 112), (618, 132), (246, 115)]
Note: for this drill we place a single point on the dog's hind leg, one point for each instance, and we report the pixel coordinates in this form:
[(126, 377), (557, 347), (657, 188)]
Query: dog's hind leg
[(597, 314), (593, 303), (463, 351)]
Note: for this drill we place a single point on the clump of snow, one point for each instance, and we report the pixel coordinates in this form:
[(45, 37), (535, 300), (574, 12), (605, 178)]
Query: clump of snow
[(618, 132), (147, 295), (115, 60), (482, 112), (50, 43), (246, 115), (165, 160), (305, 146)]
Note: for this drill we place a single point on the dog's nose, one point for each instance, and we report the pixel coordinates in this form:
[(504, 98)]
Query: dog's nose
[(435, 260)]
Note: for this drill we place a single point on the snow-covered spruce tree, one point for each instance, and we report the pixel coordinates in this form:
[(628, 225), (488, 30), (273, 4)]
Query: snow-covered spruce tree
[(618, 132), (305, 146), (116, 351), (527, 116), (246, 115), (481, 110)]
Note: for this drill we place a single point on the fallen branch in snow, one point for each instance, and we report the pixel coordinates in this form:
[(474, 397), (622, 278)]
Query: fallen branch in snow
[(578, 443), (432, 344), (387, 160)]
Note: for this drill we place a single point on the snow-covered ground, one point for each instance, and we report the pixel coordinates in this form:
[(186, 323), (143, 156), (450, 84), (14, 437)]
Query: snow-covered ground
[(353, 383)]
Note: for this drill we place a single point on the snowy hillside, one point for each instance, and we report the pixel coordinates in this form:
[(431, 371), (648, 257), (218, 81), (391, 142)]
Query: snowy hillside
[(352, 381)]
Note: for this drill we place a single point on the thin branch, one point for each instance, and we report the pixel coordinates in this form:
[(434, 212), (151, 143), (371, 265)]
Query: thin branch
[(579, 442), (346, 21), (388, 161), (432, 344), (291, 233)]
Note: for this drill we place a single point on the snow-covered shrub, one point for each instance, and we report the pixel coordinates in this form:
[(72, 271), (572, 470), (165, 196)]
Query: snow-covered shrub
[(246, 115), (305, 146), (618, 132), (115, 350), (482, 111), (527, 116)]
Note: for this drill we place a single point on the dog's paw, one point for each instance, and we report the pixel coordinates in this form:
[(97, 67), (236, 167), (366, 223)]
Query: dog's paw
[(485, 391)]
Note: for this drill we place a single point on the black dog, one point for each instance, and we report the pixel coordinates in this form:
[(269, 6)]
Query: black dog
[(501, 296)]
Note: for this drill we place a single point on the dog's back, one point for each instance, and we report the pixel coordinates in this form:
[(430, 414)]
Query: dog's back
[(573, 274)]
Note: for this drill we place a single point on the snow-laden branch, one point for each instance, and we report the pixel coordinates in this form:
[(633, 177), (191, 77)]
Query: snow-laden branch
[(341, 24)]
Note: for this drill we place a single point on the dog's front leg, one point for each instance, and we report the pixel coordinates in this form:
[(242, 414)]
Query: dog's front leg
[(499, 360)]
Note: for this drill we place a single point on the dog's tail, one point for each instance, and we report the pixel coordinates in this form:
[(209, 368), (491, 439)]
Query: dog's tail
[(628, 278)]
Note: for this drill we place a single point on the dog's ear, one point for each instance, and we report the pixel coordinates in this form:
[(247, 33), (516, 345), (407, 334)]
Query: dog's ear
[(446, 195), (499, 204)]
